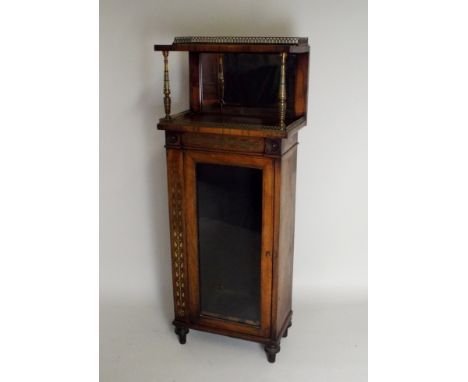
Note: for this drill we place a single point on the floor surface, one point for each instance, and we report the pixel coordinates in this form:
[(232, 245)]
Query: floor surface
[(327, 342)]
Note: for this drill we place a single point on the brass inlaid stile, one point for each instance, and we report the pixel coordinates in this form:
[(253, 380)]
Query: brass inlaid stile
[(178, 247)]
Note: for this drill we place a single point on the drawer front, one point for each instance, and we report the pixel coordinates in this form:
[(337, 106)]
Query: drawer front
[(223, 142)]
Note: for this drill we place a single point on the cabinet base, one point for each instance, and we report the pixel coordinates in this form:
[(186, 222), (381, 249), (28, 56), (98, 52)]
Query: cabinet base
[(271, 345)]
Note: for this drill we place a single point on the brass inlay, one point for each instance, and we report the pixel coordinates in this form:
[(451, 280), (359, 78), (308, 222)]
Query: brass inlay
[(240, 40), (282, 91), (167, 89), (178, 248)]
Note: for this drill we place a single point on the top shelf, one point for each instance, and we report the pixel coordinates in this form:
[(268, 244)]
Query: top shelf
[(237, 44)]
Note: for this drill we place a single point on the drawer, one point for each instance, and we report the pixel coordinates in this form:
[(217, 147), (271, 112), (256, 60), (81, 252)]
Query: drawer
[(223, 142)]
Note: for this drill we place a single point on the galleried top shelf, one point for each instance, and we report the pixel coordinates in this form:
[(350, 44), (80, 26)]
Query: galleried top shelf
[(241, 85), (237, 44)]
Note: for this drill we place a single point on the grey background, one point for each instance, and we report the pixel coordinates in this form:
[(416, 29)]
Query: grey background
[(328, 340)]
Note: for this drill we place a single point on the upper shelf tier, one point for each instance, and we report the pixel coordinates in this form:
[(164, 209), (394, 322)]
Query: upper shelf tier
[(227, 44)]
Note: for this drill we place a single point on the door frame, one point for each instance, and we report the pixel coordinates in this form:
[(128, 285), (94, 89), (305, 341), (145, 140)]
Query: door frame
[(191, 158)]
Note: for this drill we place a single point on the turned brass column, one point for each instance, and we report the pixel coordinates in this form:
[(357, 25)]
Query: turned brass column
[(167, 89), (282, 91)]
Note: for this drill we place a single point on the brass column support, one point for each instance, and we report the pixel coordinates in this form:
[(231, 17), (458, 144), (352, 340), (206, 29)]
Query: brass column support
[(167, 89), (221, 80), (282, 91)]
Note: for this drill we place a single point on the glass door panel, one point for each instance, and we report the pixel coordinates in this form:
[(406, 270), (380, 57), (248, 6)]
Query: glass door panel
[(229, 214), (229, 219)]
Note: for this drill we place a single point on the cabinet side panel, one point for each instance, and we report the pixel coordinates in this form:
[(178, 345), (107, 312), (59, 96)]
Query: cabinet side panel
[(175, 181), (286, 236), (301, 85)]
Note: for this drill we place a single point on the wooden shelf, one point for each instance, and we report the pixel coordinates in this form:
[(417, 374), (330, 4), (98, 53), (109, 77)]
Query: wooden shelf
[(237, 44), (225, 124)]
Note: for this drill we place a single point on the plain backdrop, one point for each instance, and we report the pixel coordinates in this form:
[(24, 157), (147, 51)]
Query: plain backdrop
[(328, 340)]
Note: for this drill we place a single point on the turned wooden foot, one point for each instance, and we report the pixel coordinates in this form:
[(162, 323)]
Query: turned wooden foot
[(271, 350), (181, 332), (285, 334)]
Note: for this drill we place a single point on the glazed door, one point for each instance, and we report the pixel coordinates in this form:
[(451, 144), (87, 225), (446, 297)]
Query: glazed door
[(229, 203)]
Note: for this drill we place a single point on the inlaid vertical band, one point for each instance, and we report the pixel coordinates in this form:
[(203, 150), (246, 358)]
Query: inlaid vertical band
[(167, 89), (282, 91), (177, 230)]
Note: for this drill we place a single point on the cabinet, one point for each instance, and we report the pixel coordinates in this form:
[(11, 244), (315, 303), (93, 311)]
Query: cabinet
[(231, 168)]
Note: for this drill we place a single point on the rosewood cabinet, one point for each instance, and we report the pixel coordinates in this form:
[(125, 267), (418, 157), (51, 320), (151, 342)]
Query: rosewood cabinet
[(231, 168)]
